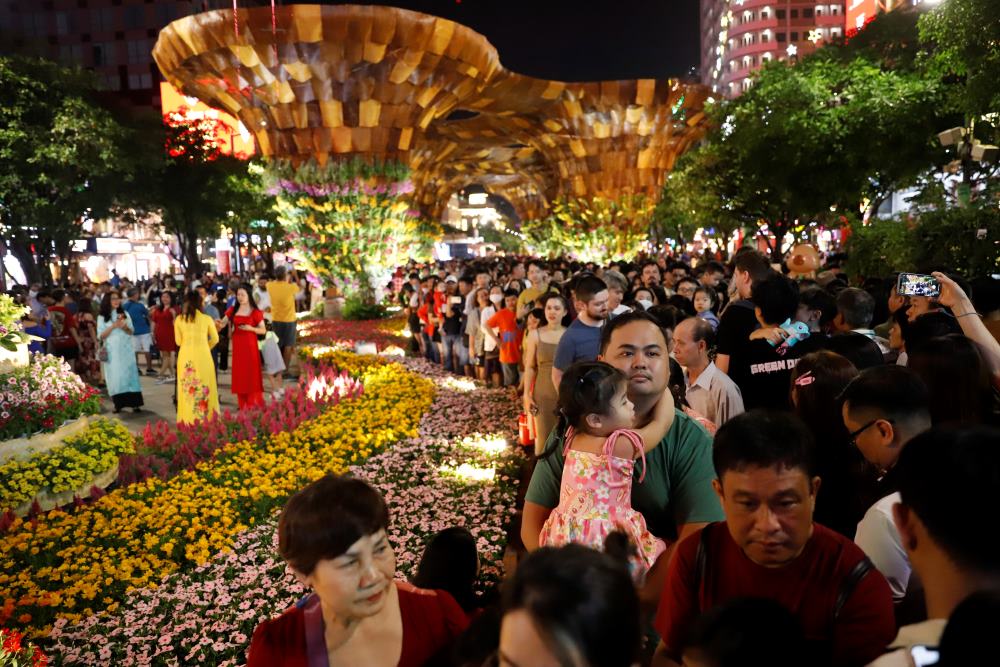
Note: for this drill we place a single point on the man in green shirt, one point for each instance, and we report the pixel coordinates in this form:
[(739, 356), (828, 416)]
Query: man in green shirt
[(676, 497)]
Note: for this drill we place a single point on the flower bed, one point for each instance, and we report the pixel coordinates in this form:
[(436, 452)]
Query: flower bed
[(208, 614), (165, 449), (81, 458), (42, 396), (73, 564), (344, 333)]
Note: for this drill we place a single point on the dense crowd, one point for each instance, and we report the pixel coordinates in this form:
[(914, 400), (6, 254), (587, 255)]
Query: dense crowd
[(731, 466), (181, 332)]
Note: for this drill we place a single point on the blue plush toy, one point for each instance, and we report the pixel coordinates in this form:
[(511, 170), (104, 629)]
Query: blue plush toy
[(796, 331)]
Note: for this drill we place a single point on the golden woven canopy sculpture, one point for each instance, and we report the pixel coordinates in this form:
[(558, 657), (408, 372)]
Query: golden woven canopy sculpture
[(339, 80)]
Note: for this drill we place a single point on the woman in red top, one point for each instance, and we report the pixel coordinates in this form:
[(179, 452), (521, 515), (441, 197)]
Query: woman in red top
[(248, 321), (333, 536), (163, 334)]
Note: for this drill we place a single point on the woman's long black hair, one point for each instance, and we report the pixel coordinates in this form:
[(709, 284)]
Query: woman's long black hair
[(106, 305), (192, 305), (250, 300)]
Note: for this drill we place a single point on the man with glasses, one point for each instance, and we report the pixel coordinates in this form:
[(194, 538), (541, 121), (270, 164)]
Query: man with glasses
[(884, 408)]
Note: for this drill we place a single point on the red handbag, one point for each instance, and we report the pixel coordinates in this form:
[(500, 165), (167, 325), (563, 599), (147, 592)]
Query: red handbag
[(524, 430)]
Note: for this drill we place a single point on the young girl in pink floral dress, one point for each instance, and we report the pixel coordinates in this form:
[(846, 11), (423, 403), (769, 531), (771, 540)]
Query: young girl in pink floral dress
[(601, 451)]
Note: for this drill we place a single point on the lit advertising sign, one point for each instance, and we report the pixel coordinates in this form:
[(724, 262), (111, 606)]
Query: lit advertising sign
[(860, 12), (237, 140)]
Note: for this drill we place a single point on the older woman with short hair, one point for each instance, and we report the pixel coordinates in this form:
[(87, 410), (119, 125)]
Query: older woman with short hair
[(333, 536)]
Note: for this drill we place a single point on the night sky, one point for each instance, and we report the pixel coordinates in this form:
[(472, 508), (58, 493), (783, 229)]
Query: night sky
[(581, 40)]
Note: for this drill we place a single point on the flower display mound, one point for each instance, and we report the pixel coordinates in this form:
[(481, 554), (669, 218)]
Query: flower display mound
[(165, 448), (207, 614), (71, 565), (349, 218), (83, 462), (42, 396), (343, 334)]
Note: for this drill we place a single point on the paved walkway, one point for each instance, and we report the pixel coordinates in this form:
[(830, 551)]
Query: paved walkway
[(158, 400)]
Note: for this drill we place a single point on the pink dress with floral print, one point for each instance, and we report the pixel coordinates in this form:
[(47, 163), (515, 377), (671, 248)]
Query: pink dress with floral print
[(595, 499)]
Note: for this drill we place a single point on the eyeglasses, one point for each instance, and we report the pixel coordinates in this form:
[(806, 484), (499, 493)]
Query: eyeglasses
[(853, 436)]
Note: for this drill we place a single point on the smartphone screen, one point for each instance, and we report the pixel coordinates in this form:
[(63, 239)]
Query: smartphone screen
[(917, 284), (456, 299)]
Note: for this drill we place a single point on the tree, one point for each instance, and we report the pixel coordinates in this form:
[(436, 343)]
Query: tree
[(59, 160), (812, 139), (965, 37), (186, 179), (696, 195), (254, 214)]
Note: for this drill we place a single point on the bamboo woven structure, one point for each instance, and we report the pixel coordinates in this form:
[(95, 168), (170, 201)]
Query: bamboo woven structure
[(340, 80)]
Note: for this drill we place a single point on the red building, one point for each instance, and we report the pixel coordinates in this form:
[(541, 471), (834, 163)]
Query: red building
[(739, 36)]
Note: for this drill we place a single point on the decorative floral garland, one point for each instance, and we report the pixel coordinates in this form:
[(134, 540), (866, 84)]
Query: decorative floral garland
[(349, 218), (593, 228)]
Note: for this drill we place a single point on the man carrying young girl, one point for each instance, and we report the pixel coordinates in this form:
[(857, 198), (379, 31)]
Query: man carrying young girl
[(676, 496)]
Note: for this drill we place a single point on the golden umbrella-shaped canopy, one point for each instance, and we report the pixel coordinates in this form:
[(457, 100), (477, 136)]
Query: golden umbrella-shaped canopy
[(381, 82)]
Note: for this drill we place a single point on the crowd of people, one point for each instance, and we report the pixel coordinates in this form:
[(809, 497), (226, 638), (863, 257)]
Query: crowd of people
[(182, 333), (730, 467)]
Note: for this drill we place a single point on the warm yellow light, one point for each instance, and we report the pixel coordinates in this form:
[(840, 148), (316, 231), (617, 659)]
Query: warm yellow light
[(491, 445), (470, 473), (458, 384)]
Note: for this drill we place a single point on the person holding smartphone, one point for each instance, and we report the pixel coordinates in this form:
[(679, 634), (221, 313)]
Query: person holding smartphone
[(121, 373), (451, 327)]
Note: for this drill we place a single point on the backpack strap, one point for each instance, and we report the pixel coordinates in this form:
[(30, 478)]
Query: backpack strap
[(850, 582), (701, 562)]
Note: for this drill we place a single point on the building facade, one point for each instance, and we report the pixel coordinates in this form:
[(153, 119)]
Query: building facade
[(113, 38), (740, 36)]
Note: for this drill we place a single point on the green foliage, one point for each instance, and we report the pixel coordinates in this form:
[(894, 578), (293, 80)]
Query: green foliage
[(59, 158), (356, 309), (965, 36), (592, 229), (966, 240)]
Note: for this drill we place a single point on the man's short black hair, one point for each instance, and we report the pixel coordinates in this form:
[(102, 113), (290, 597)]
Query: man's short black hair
[(587, 287), (949, 476), (816, 298), (687, 279), (537, 262), (627, 318), (928, 326), (510, 292), (58, 295), (895, 392), (466, 278), (861, 350), (777, 297), (753, 262), (713, 267), (649, 262), (857, 307), (764, 439)]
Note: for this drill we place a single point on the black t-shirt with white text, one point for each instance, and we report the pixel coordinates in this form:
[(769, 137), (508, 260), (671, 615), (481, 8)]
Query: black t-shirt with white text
[(733, 338), (769, 372)]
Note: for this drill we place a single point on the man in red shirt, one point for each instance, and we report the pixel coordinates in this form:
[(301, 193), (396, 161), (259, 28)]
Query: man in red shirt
[(509, 340), (65, 340), (769, 547)]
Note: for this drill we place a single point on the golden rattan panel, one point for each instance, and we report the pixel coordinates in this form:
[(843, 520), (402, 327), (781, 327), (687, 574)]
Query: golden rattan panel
[(337, 80)]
